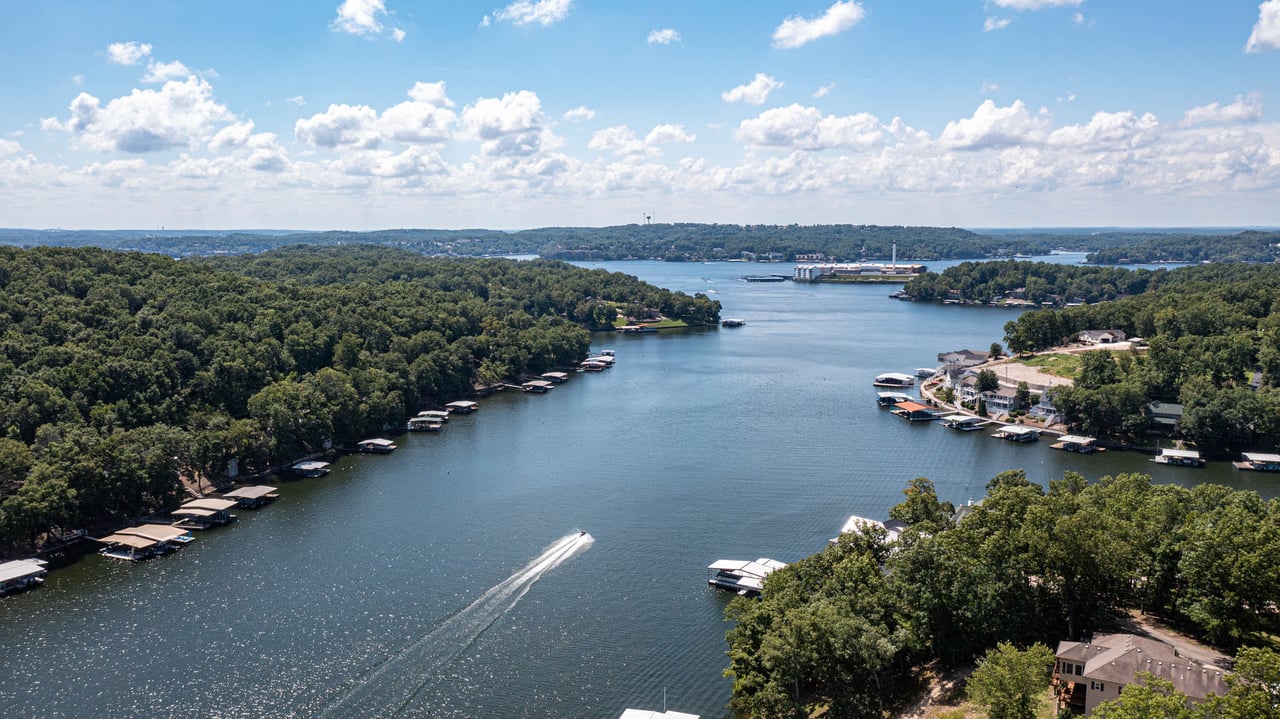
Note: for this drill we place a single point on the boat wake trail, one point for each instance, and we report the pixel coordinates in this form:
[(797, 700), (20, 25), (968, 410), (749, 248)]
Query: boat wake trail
[(388, 688)]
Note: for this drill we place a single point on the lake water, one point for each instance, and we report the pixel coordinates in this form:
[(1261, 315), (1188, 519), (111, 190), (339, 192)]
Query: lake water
[(448, 580)]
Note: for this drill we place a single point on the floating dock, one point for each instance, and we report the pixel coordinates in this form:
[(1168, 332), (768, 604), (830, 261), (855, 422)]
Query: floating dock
[(1179, 458)]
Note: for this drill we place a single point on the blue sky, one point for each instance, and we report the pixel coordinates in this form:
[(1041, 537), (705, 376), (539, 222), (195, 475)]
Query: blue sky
[(365, 114)]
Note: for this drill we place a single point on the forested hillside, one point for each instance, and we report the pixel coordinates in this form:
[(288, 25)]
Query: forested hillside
[(1038, 282), (122, 371), (845, 629)]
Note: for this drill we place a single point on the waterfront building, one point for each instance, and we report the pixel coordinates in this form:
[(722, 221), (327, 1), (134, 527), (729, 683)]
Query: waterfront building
[(1087, 674)]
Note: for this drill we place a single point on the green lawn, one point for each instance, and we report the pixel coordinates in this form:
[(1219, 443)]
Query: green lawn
[(1062, 365)]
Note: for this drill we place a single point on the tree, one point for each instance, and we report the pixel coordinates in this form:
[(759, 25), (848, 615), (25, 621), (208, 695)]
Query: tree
[(1253, 690), (1024, 394), (996, 351), (1008, 680), (987, 381), (922, 506)]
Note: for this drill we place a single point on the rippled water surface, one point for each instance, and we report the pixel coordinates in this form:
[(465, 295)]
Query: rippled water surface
[(448, 579)]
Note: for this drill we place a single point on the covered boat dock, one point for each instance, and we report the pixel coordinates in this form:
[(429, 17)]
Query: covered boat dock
[(1077, 443), (744, 577), (21, 574), (311, 469), (253, 497), (129, 547), (462, 406), (1258, 462), (376, 445), (1179, 458)]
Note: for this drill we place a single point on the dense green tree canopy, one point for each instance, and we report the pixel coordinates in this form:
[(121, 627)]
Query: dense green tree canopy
[(121, 372), (845, 627)]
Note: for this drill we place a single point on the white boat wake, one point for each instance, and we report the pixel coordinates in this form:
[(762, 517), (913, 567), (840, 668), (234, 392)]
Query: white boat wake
[(389, 688)]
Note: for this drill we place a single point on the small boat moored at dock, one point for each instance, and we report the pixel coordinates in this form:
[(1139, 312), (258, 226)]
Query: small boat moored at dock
[(1258, 462), (128, 547), (1179, 458), (890, 399), (915, 412), (462, 406), (1017, 433), (377, 445), (21, 574), (311, 469), (963, 422), (745, 578), (894, 379), (1077, 443), (423, 424)]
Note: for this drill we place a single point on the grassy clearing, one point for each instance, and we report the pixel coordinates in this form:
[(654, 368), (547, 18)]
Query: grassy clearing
[(1060, 365)]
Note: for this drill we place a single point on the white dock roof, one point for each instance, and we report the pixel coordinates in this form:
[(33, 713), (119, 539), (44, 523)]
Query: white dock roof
[(310, 466), (1181, 453), (1017, 429), (213, 503), (19, 568), (896, 375), (962, 418), (158, 532), (646, 714), (1076, 439), (129, 540), (255, 492), (375, 442), (1260, 457)]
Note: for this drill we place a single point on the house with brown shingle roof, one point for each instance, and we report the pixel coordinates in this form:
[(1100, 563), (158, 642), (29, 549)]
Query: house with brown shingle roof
[(1090, 673)]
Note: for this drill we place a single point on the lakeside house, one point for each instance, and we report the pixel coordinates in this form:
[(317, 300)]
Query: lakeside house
[(892, 528), (1165, 417), (1087, 674), (1101, 337), (962, 359)]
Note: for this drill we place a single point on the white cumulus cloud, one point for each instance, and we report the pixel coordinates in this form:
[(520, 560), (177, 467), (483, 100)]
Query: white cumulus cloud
[(1035, 4), (9, 147), (397, 34), (580, 113), (1107, 130), (340, 125), (805, 128), (668, 134), (996, 23), (540, 12), (754, 92), (796, 30), (425, 118), (824, 90), (1246, 108), (622, 140), (360, 17), (163, 71), (1266, 32), (127, 53), (992, 126), (665, 36), (510, 126), (989, 86), (178, 114)]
